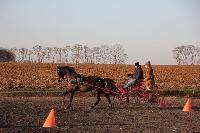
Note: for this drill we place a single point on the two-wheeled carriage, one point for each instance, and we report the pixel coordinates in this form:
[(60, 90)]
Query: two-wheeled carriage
[(137, 92)]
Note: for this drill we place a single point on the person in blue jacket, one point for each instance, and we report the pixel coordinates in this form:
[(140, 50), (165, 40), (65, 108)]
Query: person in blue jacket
[(137, 76)]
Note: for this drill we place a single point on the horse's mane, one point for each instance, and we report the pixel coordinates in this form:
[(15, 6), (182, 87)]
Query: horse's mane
[(62, 70)]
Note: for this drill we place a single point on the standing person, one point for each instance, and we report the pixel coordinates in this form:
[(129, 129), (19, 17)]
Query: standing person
[(137, 76), (149, 81)]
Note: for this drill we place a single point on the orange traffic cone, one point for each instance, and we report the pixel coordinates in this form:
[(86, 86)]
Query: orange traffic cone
[(162, 103), (50, 121), (187, 106)]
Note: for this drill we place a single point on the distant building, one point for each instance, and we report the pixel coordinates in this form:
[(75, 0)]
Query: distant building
[(6, 56)]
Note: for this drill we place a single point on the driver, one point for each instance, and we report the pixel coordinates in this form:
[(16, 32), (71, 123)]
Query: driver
[(136, 77)]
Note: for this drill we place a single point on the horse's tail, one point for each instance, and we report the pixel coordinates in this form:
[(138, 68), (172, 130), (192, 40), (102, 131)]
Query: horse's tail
[(115, 86)]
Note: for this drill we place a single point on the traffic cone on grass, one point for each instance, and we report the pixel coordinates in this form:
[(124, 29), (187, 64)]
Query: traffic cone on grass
[(162, 104), (187, 106), (50, 121)]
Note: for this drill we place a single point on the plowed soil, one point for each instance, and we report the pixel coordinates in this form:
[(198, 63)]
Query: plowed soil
[(43, 76)]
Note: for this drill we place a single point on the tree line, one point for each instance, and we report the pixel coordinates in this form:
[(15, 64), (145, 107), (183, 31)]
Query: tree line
[(75, 54), (187, 55)]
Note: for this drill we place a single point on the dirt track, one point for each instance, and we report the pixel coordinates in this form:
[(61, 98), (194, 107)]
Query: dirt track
[(28, 114)]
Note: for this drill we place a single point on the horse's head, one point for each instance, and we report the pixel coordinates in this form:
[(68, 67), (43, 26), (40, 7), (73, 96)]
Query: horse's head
[(60, 73), (65, 70)]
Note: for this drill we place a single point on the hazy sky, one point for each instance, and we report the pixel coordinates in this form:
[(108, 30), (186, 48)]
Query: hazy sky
[(148, 29)]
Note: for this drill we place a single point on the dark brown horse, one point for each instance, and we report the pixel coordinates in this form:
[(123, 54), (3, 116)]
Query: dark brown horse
[(77, 82)]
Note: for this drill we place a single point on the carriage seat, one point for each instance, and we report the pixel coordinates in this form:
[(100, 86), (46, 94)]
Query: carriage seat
[(139, 82)]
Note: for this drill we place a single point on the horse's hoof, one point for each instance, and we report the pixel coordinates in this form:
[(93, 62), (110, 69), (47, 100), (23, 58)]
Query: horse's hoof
[(63, 103), (91, 107), (69, 107), (110, 106)]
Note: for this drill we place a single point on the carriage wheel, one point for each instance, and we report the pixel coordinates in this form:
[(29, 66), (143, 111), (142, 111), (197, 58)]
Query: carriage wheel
[(154, 97), (147, 97), (123, 97), (137, 96), (154, 100)]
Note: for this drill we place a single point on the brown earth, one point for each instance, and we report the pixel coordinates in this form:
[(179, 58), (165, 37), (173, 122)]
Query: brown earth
[(27, 75), (27, 114)]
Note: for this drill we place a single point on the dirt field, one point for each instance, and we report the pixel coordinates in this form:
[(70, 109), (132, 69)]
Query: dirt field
[(27, 114), (43, 76)]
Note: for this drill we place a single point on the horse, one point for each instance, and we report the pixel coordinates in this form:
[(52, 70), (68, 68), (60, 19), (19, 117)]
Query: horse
[(78, 82)]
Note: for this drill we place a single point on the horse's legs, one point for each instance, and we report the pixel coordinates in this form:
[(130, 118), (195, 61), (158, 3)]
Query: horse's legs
[(137, 99), (98, 100), (109, 101), (113, 97), (63, 102), (71, 98)]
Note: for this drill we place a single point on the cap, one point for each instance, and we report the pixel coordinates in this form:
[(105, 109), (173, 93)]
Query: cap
[(137, 64)]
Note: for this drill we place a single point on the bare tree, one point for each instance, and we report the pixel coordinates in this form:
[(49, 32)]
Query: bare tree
[(178, 54), (96, 55), (37, 50), (105, 54), (86, 52), (54, 54), (15, 52), (198, 55), (186, 54), (77, 53), (118, 55), (66, 52), (48, 56), (193, 54), (23, 54), (59, 51)]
